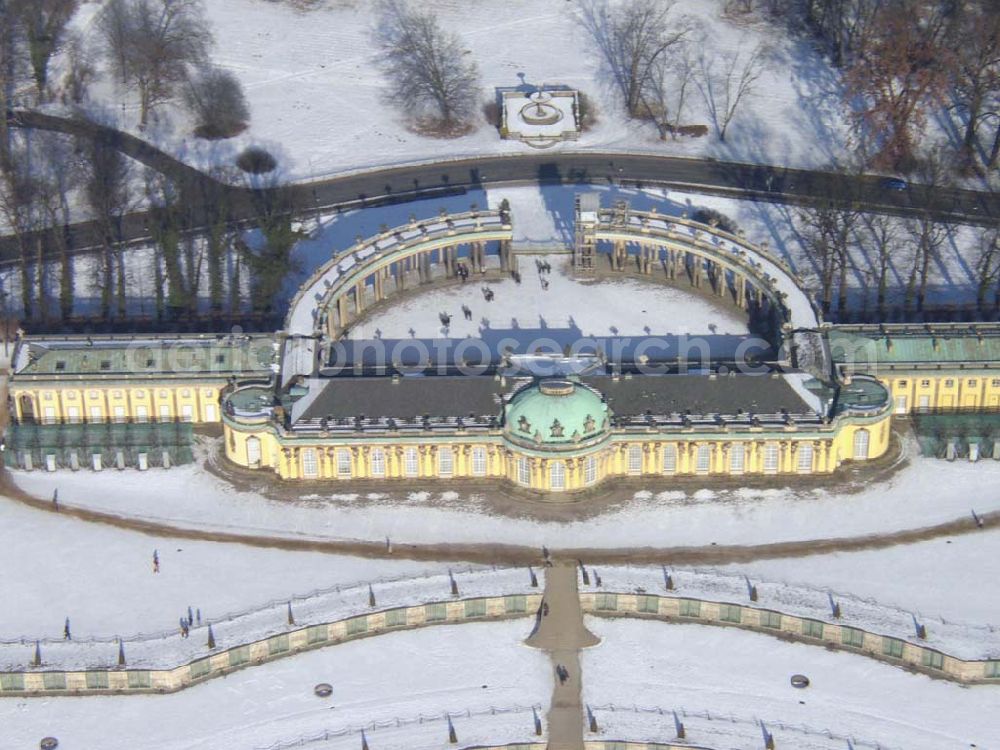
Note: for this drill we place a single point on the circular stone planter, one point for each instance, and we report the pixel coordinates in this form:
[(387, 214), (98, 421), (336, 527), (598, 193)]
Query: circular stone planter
[(799, 681), (49, 743), (323, 690)]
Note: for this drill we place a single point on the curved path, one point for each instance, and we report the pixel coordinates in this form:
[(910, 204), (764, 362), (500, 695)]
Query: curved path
[(513, 554), (425, 180)]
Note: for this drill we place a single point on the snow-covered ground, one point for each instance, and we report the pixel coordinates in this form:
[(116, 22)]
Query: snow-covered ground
[(390, 682), (925, 492), (102, 577), (565, 312), (956, 578), (318, 100), (961, 639), (742, 678)]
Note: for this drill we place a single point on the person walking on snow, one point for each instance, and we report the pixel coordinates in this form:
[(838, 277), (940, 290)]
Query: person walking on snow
[(156, 562)]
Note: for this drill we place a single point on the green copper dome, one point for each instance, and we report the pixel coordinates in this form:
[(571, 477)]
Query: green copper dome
[(556, 413)]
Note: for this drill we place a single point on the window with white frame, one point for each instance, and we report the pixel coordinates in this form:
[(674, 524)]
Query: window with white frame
[(805, 458), (119, 414), (635, 459), (901, 404), (446, 462), (164, 413), (771, 454), (95, 414), (410, 465), (141, 414), (669, 459), (479, 461), (187, 412), (343, 462), (737, 458), (557, 475), (73, 414), (524, 472), (378, 462), (253, 451), (590, 470), (310, 464), (861, 445), (704, 459)]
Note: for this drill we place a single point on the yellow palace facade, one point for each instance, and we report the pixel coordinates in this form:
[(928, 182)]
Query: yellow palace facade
[(554, 435)]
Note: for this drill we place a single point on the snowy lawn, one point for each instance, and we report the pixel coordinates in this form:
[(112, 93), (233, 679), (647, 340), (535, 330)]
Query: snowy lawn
[(102, 578), (402, 676), (318, 100), (740, 678), (565, 312), (927, 491), (957, 579)]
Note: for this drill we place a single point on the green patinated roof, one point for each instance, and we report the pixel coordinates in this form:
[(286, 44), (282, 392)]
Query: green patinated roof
[(944, 347), (196, 356), (555, 412)]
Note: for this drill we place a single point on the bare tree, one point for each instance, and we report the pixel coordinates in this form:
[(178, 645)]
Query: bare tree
[(845, 24), (926, 232), (727, 80), (881, 239), (44, 23), (666, 97), (826, 233), (217, 101), (80, 70), (152, 43), (634, 38), (426, 67), (976, 73), (903, 66), (10, 43), (987, 265), (106, 191)]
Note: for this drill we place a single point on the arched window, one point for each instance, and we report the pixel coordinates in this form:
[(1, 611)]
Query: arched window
[(590, 470), (557, 476), (524, 472), (805, 464), (861, 438), (253, 451)]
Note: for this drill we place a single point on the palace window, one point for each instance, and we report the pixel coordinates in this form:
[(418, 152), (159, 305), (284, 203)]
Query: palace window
[(925, 384), (770, 619), (310, 466), (410, 467), (187, 413), (805, 463), (972, 382), (812, 628), (924, 403), (164, 413), (589, 470), (47, 396), (669, 459), (253, 451), (119, 414), (892, 647), (949, 383), (933, 659), (737, 458), (557, 475), (479, 461), (704, 460), (343, 463), (140, 394), (446, 462), (71, 395), (635, 459), (860, 445), (164, 394), (378, 462), (995, 383), (73, 413), (901, 404), (95, 414), (852, 637), (141, 414), (524, 472), (730, 612), (902, 384)]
